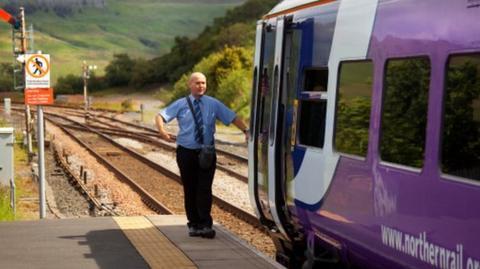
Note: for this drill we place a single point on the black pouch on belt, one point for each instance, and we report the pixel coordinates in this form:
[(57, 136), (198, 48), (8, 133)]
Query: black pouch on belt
[(206, 158)]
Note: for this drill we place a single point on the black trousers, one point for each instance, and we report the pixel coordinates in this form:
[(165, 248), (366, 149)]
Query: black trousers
[(197, 187)]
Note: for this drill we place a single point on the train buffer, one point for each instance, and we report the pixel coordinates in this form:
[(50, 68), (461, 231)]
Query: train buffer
[(121, 242)]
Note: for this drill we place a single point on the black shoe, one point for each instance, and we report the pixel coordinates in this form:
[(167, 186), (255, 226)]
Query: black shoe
[(192, 231), (207, 232)]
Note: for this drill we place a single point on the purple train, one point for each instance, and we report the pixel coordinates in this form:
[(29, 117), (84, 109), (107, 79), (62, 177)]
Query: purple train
[(365, 133)]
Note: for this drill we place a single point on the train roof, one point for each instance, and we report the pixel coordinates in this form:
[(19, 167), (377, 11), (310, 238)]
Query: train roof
[(287, 6)]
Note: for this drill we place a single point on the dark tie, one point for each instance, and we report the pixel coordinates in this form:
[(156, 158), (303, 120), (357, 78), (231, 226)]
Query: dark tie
[(198, 116)]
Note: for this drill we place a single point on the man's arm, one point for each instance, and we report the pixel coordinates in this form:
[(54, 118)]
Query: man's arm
[(241, 125), (161, 130)]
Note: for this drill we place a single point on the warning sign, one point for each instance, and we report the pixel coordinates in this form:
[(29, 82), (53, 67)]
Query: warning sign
[(37, 71), (41, 96)]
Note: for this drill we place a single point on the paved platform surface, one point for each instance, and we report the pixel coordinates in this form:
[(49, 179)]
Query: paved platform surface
[(125, 242)]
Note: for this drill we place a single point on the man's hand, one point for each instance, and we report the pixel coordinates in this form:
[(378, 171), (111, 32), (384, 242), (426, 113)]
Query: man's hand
[(161, 131), (240, 125), (247, 135), (167, 137)]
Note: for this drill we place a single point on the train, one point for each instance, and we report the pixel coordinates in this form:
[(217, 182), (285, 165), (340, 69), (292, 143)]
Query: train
[(364, 146)]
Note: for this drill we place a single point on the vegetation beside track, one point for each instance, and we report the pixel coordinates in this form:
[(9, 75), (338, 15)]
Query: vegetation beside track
[(26, 190)]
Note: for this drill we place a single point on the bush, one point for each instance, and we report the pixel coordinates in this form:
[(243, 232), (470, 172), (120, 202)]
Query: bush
[(69, 84), (6, 77), (235, 91), (118, 71), (127, 105)]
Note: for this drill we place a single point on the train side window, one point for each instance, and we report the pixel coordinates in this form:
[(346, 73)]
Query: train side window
[(312, 122), (352, 120), (315, 80), (461, 117), (404, 112)]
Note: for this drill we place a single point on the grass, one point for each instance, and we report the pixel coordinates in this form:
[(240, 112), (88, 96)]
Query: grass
[(113, 91), (163, 94), (107, 106), (25, 188), (143, 28), (6, 213)]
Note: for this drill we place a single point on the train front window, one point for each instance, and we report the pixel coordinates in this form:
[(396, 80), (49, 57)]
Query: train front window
[(461, 117), (352, 120), (404, 113)]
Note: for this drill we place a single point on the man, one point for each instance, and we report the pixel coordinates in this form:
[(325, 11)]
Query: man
[(197, 182)]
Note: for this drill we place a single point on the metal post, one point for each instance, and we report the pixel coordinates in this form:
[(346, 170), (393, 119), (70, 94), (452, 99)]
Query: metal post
[(12, 196), (142, 110), (28, 124), (85, 76), (23, 48), (7, 105), (23, 39), (41, 161)]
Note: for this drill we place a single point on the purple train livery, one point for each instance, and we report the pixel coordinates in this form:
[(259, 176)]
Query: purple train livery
[(364, 147)]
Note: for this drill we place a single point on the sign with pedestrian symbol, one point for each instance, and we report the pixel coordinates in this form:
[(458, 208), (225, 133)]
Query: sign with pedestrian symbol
[(37, 71)]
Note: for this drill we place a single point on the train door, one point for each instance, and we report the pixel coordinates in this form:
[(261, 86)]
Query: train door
[(272, 107), (284, 121), (260, 120), (275, 177)]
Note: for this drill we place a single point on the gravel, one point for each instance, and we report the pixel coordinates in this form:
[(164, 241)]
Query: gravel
[(128, 202), (68, 200)]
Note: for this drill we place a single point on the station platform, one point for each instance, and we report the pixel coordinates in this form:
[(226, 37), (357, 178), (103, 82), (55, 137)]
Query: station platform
[(121, 242)]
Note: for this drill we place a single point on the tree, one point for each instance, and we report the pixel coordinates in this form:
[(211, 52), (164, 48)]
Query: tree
[(6, 79), (69, 84), (461, 135), (142, 73), (404, 117), (352, 127), (119, 70)]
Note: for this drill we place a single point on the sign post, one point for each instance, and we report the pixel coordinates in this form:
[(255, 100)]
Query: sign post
[(38, 92)]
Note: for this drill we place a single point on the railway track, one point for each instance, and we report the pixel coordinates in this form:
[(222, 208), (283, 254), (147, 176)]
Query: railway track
[(232, 164), (225, 164)]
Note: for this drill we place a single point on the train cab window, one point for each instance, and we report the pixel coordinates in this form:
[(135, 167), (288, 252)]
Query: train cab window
[(461, 117), (404, 112), (312, 122), (352, 120), (315, 80)]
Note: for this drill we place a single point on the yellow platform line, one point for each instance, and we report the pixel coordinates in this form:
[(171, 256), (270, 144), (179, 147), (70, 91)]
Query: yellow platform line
[(155, 247)]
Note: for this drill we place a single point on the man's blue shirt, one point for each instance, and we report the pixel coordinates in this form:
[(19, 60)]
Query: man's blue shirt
[(212, 109)]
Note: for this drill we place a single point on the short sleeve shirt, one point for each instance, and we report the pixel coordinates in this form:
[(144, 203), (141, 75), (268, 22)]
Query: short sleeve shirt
[(212, 109)]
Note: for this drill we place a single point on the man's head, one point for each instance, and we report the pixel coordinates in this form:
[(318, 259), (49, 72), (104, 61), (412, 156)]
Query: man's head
[(197, 84)]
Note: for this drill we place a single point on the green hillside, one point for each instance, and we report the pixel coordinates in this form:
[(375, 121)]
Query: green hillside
[(141, 28)]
